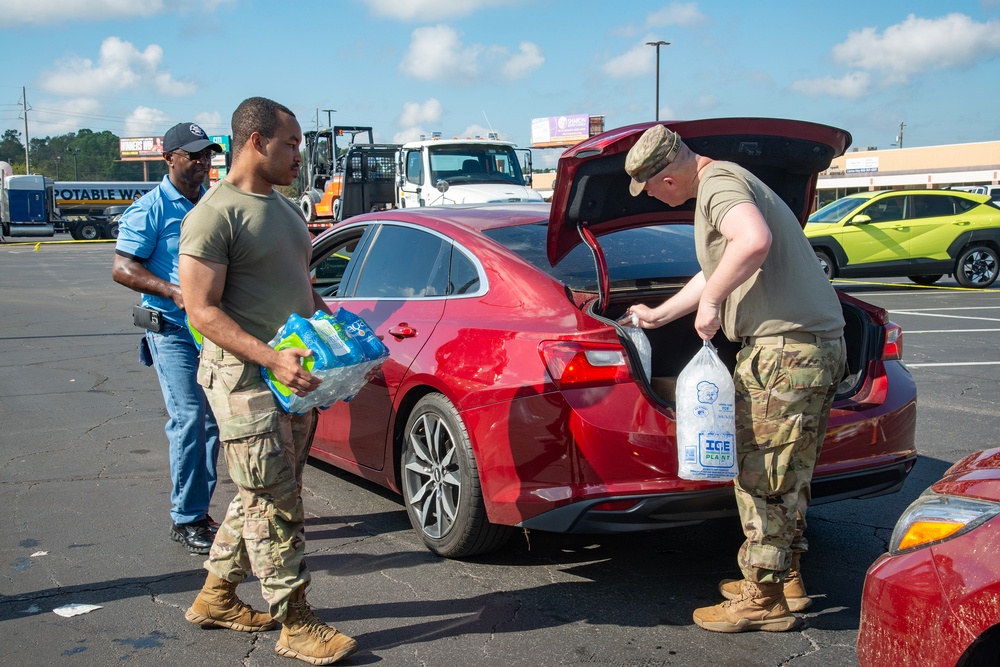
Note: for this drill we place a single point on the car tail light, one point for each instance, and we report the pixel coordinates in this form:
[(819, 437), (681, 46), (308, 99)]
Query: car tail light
[(933, 518), (577, 365), (892, 350)]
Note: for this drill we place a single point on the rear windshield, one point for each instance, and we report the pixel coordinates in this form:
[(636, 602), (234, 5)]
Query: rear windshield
[(636, 257)]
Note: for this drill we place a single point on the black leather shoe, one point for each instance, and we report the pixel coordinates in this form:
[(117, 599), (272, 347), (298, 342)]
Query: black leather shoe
[(197, 537), (212, 524)]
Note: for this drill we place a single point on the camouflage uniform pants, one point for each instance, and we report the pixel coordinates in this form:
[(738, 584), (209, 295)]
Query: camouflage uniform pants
[(266, 450), (783, 398)]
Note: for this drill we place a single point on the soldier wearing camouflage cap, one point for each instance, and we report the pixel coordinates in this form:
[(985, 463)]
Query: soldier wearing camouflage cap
[(761, 285)]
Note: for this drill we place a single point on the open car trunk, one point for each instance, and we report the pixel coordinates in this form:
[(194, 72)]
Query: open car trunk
[(674, 344)]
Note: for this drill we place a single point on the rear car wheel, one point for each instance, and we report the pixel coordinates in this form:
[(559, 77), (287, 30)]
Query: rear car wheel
[(111, 231), (440, 483), (826, 263), (925, 280), (977, 267), (89, 230)]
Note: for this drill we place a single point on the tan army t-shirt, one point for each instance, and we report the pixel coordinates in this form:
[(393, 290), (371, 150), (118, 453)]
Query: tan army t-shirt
[(789, 292), (265, 243)]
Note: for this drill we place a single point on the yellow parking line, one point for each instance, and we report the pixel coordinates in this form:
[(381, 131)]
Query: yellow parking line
[(38, 244), (941, 287)]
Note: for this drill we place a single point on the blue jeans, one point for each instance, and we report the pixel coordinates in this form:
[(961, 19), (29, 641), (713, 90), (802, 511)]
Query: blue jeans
[(191, 429)]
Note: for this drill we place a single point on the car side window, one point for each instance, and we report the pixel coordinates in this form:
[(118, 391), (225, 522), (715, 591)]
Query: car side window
[(885, 210), (464, 277), (328, 274), (404, 262), (414, 167), (963, 205), (932, 206)]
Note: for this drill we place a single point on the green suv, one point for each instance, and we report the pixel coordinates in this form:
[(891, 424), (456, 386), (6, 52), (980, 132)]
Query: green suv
[(922, 234)]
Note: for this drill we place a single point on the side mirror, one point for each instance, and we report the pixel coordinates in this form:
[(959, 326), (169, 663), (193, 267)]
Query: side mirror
[(861, 220), (442, 186)]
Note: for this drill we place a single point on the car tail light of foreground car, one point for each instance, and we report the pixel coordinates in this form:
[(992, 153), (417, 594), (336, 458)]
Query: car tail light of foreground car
[(934, 598)]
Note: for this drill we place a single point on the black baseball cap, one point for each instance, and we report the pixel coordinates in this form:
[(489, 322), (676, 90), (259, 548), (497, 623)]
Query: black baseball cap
[(188, 137)]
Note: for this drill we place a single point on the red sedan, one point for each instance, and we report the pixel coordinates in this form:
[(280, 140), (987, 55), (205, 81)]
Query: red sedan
[(934, 599), (512, 397)]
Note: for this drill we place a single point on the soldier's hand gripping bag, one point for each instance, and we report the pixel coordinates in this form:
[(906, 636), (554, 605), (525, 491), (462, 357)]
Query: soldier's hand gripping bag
[(706, 419)]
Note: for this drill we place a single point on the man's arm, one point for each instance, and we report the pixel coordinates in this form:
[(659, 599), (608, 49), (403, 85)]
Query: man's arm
[(204, 282), (749, 239), (131, 273), (679, 305)]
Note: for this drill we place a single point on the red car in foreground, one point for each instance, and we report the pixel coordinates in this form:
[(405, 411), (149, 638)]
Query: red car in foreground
[(512, 397), (934, 599)]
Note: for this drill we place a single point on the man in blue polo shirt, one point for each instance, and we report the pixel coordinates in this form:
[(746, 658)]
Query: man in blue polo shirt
[(146, 261)]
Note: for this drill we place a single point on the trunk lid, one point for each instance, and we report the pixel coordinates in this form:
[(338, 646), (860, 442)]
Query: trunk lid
[(591, 194)]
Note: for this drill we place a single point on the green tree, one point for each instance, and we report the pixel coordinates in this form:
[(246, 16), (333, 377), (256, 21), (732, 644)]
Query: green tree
[(11, 149)]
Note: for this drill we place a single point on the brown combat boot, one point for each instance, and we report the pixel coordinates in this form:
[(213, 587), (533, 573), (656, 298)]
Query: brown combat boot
[(795, 590), (759, 607), (218, 605), (309, 639)]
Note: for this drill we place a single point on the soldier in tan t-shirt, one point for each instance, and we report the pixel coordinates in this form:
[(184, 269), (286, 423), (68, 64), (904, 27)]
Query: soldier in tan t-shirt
[(761, 284), (244, 268)]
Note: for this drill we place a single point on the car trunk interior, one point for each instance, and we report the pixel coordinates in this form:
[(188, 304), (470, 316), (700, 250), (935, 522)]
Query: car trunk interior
[(675, 343)]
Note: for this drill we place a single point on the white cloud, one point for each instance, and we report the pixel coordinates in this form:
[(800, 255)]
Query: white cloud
[(529, 57), (57, 11), (51, 118), (919, 44), (410, 134), (437, 53), (146, 122), (415, 113), (211, 122), (676, 13), (432, 10), (120, 66), (637, 61), (852, 86), (685, 14)]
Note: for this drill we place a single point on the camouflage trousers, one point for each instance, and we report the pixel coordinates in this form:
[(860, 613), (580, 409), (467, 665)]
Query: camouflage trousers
[(783, 398), (266, 450)]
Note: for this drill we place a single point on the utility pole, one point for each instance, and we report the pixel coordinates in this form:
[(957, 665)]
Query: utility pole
[(329, 123), (24, 100), (658, 44), (899, 139)]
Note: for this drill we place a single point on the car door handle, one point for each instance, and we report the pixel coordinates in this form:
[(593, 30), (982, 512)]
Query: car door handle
[(960, 223), (402, 330)]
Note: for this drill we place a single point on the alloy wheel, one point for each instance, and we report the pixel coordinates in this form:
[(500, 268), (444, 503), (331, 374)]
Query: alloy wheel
[(432, 475)]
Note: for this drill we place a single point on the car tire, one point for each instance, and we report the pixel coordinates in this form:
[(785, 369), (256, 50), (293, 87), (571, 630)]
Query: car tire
[(925, 280), (977, 266), (440, 483), (826, 263), (111, 231), (308, 208), (88, 231)]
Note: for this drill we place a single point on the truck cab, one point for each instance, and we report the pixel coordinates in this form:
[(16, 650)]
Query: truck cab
[(438, 172)]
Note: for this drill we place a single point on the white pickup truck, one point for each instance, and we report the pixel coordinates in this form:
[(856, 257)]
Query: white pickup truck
[(454, 171)]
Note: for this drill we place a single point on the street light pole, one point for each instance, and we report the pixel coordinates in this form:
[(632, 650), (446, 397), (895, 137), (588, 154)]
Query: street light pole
[(658, 44)]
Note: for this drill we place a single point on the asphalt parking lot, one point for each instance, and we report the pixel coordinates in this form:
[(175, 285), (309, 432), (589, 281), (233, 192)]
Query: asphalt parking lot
[(84, 488)]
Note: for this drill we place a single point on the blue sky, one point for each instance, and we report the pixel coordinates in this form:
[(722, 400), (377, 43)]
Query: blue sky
[(407, 67)]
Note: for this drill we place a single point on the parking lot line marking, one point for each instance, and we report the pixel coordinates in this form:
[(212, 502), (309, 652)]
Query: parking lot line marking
[(938, 310), (950, 317), (914, 286), (957, 363), (907, 332)]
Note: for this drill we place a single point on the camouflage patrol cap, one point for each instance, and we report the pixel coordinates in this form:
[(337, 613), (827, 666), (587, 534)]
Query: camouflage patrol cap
[(655, 149)]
